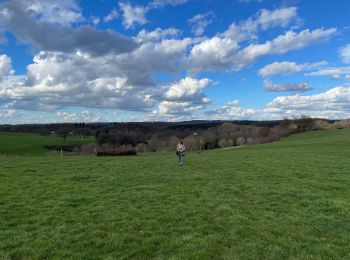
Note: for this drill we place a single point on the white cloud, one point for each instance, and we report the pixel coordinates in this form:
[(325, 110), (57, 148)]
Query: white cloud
[(187, 88), (335, 77), (133, 14), (280, 17), (212, 54), (162, 3), (250, 53), (185, 97), (334, 104), (335, 71), (5, 66), (96, 83), (240, 32), (45, 36), (264, 19), (157, 34), (293, 41), (200, 22), (347, 77), (63, 12), (111, 16), (274, 87), (222, 53), (282, 44), (286, 67), (345, 53), (84, 116), (120, 81), (152, 57), (178, 108), (231, 111), (95, 20), (7, 113), (116, 72)]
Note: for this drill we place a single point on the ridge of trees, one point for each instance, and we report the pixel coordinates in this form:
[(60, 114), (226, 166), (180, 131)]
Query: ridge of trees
[(197, 135)]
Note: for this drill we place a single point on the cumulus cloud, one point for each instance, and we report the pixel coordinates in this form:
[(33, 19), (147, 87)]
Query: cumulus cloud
[(5, 66), (223, 53), (49, 84), (334, 103), (133, 14), (187, 88), (279, 17), (334, 72), (335, 77), (275, 87), (286, 67), (200, 22), (63, 12), (156, 35), (282, 44), (153, 57), (185, 97), (293, 41), (112, 71), (231, 111), (345, 53), (136, 15), (84, 116), (178, 107), (121, 81), (95, 20), (111, 16), (7, 113), (162, 3), (264, 19), (347, 77), (212, 54), (48, 37)]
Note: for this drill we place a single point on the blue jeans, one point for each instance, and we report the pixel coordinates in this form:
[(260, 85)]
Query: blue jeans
[(181, 159)]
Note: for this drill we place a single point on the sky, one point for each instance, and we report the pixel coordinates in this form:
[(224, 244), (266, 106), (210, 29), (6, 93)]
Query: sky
[(173, 60)]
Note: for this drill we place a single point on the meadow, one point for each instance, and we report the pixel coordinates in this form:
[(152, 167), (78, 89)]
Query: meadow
[(33, 144), (285, 200)]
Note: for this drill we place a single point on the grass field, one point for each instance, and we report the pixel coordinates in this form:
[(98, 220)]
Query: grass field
[(32, 144), (288, 199)]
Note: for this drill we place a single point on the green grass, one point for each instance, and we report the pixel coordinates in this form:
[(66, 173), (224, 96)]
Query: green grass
[(288, 199), (32, 144)]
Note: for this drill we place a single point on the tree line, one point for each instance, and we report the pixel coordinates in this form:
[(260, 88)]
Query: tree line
[(197, 135)]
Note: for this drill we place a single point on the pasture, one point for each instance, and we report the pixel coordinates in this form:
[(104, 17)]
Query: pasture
[(33, 144), (288, 199)]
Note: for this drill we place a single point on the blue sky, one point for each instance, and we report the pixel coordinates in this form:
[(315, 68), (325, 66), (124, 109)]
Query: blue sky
[(173, 60)]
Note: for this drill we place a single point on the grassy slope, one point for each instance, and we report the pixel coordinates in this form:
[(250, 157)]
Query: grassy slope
[(23, 143), (284, 200)]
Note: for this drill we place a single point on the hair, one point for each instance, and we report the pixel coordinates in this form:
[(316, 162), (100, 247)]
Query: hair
[(181, 142)]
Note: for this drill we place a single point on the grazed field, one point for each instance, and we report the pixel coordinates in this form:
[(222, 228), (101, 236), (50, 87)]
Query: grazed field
[(288, 199), (32, 144)]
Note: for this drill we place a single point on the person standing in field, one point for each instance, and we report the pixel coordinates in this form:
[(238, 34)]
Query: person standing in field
[(180, 151)]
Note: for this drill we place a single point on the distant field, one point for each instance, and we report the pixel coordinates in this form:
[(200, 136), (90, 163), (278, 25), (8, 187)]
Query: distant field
[(289, 199), (32, 144)]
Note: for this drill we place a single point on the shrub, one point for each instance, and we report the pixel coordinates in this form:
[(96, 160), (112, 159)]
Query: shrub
[(64, 147), (141, 147), (121, 152), (88, 149), (153, 144), (240, 141)]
